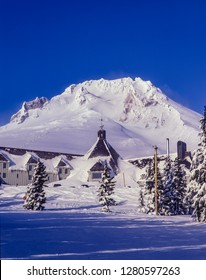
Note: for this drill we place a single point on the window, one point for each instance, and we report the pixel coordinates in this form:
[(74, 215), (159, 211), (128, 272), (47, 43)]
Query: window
[(4, 175), (60, 171), (17, 176), (66, 170), (4, 165), (97, 175), (30, 167)]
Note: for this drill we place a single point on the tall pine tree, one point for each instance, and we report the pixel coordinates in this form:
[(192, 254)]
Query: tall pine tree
[(179, 189), (172, 189), (35, 196), (166, 199), (147, 192), (106, 189), (197, 187)]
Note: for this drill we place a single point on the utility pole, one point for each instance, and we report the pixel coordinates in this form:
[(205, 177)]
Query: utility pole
[(156, 180)]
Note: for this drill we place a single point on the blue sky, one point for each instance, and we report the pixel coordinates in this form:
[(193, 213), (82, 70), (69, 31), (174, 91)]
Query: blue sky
[(48, 45)]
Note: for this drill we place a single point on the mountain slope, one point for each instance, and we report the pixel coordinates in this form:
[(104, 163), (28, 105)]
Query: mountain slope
[(135, 113)]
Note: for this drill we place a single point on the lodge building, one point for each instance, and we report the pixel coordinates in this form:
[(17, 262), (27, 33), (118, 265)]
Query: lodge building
[(17, 165)]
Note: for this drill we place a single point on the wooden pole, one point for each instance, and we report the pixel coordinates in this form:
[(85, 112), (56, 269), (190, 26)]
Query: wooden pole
[(156, 180)]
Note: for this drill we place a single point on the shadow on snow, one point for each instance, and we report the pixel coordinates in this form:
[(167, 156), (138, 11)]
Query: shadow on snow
[(63, 235)]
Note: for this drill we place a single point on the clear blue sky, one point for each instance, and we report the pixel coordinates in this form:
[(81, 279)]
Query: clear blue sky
[(46, 45)]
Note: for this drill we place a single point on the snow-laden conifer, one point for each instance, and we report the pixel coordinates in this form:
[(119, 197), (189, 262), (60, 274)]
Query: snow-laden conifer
[(147, 192), (166, 199), (106, 190), (179, 189), (197, 188), (35, 196), (173, 190)]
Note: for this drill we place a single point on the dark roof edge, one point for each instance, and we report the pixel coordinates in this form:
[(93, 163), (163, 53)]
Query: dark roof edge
[(12, 150)]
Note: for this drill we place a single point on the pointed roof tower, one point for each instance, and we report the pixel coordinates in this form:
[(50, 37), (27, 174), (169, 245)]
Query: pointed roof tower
[(102, 148)]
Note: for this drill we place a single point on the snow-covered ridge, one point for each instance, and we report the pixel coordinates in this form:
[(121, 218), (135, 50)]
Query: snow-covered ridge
[(27, 107), (134, 98), (136, 115)]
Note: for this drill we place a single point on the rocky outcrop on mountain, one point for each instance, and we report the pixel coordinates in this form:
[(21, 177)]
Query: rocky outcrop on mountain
[(24, 112)]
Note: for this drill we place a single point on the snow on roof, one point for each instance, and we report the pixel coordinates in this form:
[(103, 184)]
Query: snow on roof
[(102, 148), (20, 161), (61, 161)]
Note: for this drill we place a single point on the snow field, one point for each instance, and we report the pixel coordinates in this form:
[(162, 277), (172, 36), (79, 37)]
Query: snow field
[(72, 226)]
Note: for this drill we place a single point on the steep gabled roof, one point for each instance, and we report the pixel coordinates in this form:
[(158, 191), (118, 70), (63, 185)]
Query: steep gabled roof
[(98, 166), (32, 160), (3, 158), (102, 148), (61, 161), (99, 149)]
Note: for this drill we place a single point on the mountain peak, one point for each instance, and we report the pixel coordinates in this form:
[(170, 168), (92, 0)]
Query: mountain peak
[(136, 114)]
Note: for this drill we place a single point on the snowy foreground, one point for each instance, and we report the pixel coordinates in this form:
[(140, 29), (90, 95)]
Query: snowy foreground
[(73, 227)]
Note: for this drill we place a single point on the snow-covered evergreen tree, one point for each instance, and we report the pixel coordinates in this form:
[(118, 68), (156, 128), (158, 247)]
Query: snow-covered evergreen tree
[(172, 193), (199, 204), (106, 189), (166, 199), (35, 196), (197, 187), (141, 201), (146, 203), (179, 189)]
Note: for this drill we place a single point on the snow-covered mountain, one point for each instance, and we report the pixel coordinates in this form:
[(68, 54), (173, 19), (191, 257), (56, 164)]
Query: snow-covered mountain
[(135, 113)]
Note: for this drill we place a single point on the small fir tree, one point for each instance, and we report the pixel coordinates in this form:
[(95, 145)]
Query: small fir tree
[(196, 195), (141, 201), (35, 196), (106, 189)]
